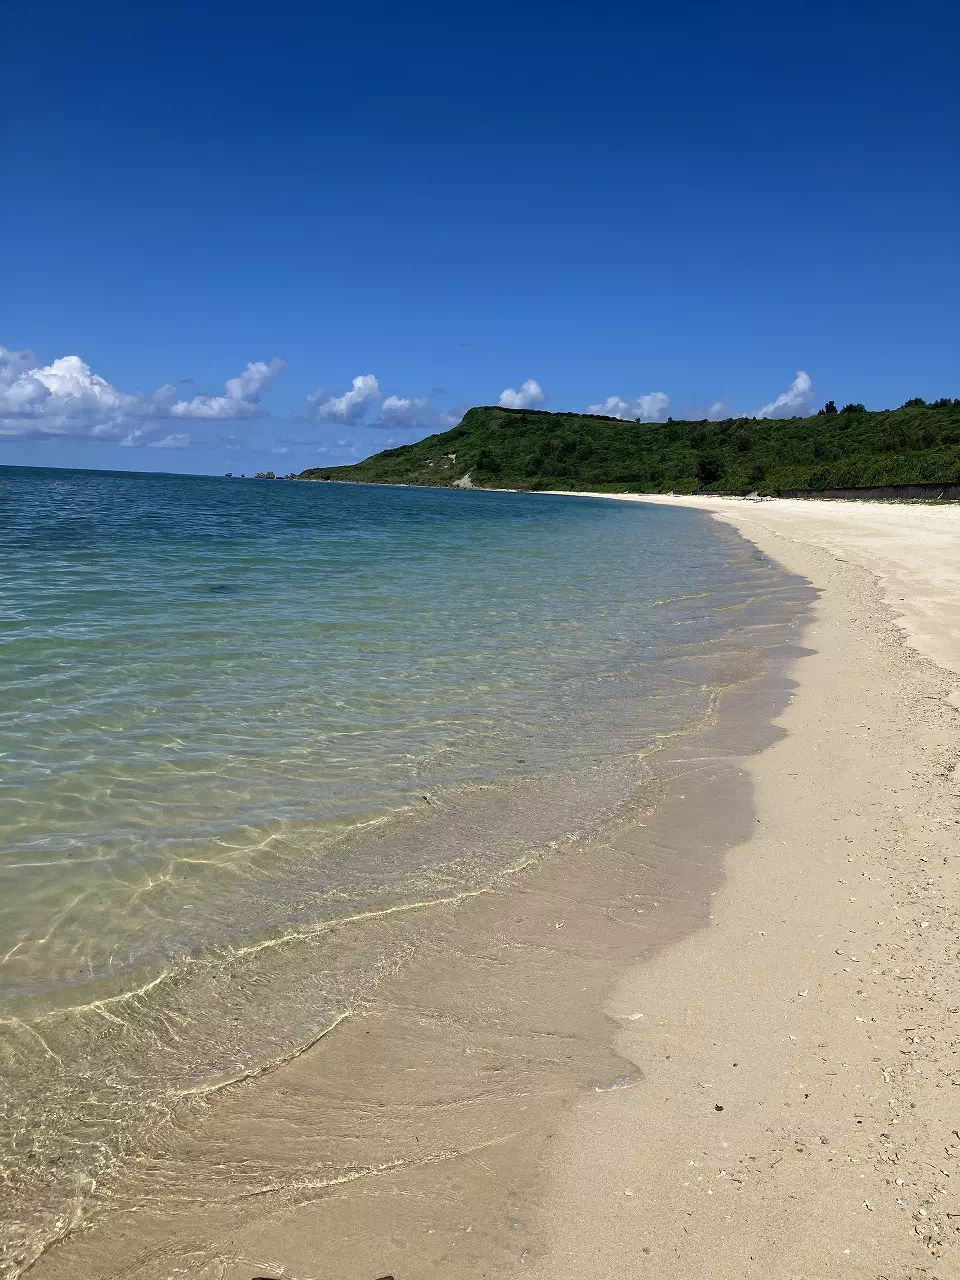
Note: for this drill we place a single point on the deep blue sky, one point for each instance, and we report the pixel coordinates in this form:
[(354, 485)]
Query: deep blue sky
[(692, 198)]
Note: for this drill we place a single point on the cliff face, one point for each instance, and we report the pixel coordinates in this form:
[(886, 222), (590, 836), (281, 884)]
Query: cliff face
[(530, 449)]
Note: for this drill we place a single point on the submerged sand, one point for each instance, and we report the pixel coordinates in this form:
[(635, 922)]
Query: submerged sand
[(800, 1115), (415, 1137), (766, 1092)]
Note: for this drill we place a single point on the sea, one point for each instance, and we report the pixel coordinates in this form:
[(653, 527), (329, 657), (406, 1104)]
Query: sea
[(239, 717)]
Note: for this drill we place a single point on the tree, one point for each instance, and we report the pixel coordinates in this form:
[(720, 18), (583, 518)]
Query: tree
[(853, 408), (917, 402), (488, 463), (709, 469), (829, 407)]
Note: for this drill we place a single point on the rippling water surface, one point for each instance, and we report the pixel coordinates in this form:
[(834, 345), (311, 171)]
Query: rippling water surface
[(193, 668), (232, 712)]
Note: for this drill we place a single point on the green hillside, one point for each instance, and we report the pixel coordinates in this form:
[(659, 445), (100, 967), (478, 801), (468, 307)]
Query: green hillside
[(529, 449)]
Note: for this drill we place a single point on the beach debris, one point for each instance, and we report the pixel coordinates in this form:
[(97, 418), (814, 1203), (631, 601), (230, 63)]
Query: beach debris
[(717, 1106)]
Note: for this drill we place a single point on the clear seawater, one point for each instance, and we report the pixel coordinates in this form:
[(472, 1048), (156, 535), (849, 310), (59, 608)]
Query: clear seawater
[(193, 669), (231, 711)]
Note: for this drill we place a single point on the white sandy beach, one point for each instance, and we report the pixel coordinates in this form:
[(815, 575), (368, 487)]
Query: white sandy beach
[(795, 1109), (799, 1115)]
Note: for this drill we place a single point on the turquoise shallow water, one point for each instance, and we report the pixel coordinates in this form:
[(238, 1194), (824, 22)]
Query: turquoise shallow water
[(193, 669), (242, 724)]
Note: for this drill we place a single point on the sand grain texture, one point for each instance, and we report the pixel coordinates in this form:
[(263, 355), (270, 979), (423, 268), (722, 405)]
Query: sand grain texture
[(820, 1009), (773, 1095)]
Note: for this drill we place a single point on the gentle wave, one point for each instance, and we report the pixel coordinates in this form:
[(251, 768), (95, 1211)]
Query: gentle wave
[(243, 726)]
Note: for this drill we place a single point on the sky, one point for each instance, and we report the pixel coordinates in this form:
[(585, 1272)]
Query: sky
[(240, 237)]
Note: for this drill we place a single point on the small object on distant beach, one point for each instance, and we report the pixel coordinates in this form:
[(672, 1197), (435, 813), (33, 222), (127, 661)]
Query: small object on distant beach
[(717, 1107)]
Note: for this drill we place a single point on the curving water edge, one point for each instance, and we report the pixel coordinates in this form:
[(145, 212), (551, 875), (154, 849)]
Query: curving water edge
[(546, 724)]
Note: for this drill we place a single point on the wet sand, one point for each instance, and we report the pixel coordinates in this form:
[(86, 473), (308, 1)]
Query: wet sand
[(623, 1062), (418, 1136), (799, 1115)]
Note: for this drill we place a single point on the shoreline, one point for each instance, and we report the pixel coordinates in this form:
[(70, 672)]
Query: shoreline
[(800, 1121), (912, 550), (578, 1128), (412, 1142)]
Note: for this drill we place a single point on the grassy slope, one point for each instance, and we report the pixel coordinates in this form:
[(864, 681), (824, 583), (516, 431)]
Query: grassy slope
[(528, 449)]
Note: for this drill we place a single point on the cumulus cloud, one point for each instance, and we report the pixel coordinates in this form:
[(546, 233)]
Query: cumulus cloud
[(240, 399), (53, 399), (67, 399), (362, 406), (530, 393), (176, 441), (795, 402), (351, 407), (648, 408), (13, 363), (402, 410), (717, 410)]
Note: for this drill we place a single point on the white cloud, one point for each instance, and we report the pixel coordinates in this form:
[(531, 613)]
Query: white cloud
[(350, 407), (13, 363), (241, 398), (61, 398), (398, 410), (530, 393), (793, 403), (176, 441), (648, 408), (67, 399), (717, 411)]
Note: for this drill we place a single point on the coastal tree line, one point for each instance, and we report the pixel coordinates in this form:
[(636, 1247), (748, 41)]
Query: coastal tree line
[(530, 449)]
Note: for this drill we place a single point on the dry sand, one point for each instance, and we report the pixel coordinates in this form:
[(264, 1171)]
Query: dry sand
[(799, 1111), (783, 1101)]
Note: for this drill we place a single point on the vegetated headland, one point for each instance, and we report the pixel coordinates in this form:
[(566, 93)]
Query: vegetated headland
[(530, 449)]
